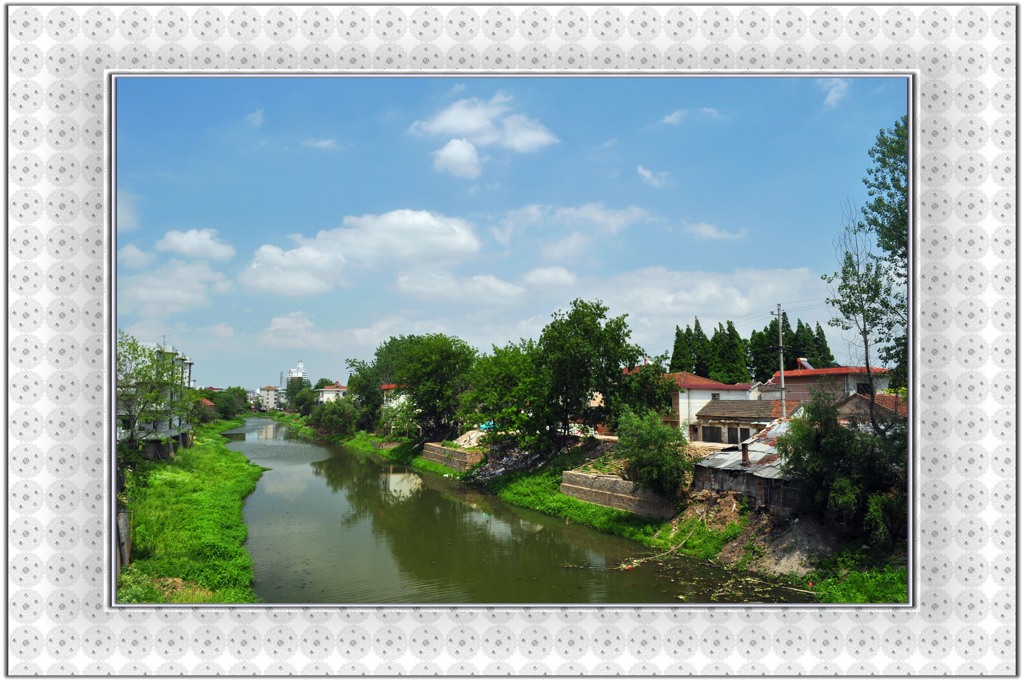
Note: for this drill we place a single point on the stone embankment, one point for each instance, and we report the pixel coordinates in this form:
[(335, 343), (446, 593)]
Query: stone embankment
[(456, 459), (614, 492)]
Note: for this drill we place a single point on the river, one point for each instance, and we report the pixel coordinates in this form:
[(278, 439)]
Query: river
[(328, 525)]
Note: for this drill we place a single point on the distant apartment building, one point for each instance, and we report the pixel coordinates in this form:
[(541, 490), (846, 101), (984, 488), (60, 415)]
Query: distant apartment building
[(268, 397)]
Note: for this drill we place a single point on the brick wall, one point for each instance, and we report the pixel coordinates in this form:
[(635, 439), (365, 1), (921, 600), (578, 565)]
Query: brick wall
[(453, 458), (614, 492)]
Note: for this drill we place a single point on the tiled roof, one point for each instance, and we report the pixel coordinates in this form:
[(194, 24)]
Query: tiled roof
[(688, 381), (269, 387), (893, 403), (832, 371), (336, 386), (751, 410)]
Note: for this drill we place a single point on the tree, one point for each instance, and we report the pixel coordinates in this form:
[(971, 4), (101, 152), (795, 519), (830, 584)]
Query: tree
[(644, 388), (702, 353), (323, 383), (803, 344), (728, 356), (432, 370), (682, 351), (763, 353), (294, 386), (852, 477), (584, 354), (229, 402), (364, 387), (886, 218), (147, 382), (338, 417), (823, 358), (304, 401), (508, 390), (858, 292), (653, 451)]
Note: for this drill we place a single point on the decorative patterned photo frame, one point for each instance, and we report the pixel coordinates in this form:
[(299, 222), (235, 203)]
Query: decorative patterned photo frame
[(964, 616)]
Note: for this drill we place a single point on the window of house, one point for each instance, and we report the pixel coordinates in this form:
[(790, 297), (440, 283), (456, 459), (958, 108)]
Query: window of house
[(734, 436), (712, 434), (716, 396), (864, 388)]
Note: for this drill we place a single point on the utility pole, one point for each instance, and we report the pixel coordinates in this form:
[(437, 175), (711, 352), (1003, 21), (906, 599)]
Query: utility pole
[(782, 364)]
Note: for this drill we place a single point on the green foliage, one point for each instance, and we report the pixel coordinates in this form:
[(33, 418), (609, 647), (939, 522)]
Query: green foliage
[(509, 389), (364, 388), (294, 387), (653, 451), (399, 419), (644, 388), (432, 370), (229, 402), (682, 351), (728, 356), (188, 524), (584, 354), (338, 417), (304, 401), (842, 468), (149, 385), (323, 383), (859, 576)]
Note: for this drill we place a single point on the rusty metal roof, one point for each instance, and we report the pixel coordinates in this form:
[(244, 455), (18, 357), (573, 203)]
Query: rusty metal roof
[(765, 461)]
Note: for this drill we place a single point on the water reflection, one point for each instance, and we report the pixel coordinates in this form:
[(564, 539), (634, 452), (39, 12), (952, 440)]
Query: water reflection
[(327, 525)]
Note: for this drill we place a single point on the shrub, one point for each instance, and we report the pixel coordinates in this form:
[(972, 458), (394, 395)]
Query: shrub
[(653, 451)]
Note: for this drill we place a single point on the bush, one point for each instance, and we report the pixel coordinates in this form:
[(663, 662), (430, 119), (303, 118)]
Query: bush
[(335, 418), (653, 451)]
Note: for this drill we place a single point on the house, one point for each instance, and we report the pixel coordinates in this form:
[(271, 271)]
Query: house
[(733, 421), (392, 394), (166, 427), (855, 407), (837, 381), (752, 468), (329, 393), (693, 392), (268, 397)]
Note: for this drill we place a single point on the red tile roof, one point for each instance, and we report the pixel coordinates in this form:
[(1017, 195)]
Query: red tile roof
[(335, 386), (893, 403), (688, 381), (207, 403), (832, 371), (269, 387)]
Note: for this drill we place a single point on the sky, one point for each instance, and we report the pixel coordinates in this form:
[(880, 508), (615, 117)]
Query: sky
[(265, 220)]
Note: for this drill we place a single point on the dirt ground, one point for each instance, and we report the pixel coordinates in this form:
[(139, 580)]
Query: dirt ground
[(781, 546)]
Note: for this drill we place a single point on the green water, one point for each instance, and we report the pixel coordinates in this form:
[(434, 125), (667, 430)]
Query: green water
[(332, 526)]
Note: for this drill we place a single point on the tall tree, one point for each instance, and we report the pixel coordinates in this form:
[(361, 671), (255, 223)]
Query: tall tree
[(729, 356), (886, 217), (763, 353), (294, 386), (802, 343), (145, 382), (682, 351), (858, 292), (823, 357), (702, 353)]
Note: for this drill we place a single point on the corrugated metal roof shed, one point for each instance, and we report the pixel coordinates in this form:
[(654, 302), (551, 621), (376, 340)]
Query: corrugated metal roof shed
[(764, 459)]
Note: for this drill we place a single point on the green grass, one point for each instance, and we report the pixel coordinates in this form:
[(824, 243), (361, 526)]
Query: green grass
[(859, 576), (188, 526)]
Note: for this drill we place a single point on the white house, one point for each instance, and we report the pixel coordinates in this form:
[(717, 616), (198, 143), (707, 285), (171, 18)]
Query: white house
[(329, 393), (693, 392)]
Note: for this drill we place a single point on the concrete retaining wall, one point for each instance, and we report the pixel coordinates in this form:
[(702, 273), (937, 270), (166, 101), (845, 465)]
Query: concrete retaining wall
[(614, 492), (453, 458)]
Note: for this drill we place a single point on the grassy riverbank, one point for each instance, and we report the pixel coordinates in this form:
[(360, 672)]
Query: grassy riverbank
[(188, 528)]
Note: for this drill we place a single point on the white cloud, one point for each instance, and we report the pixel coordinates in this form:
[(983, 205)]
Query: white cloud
[(710, 112), (835, 90), (220, 331), (435, 284), (604, 219), (133, 257), (325, 144), (196, 243), (318, 264), (674, 118), (655, 179), (474, 122), (126, 218), (524, 135), (255, 119), (170, 289), (459, 158), (295, 330), (549, 277), (566, 248), (704, 230)]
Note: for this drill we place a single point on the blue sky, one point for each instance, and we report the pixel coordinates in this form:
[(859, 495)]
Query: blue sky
[(263, 220)]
